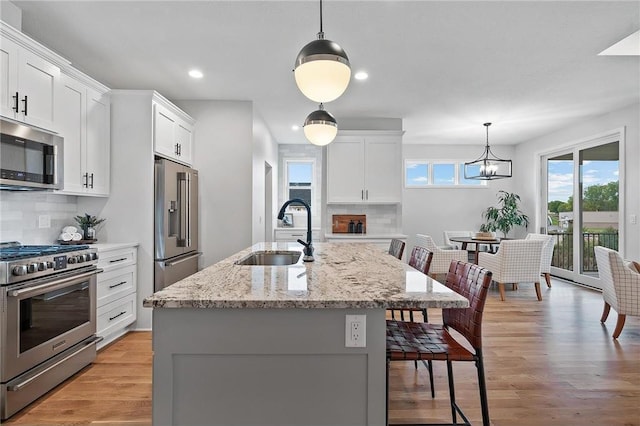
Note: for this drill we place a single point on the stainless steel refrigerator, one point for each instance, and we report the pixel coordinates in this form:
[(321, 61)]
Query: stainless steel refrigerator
[(176, 222)]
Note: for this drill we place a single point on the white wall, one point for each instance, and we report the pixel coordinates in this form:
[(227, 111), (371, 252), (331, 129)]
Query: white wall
[(223, 156), (434, 210), (527, 171), (265, 150)]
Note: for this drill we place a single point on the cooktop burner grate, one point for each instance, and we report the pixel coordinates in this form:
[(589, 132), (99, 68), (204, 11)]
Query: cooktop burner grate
[(24, 252)]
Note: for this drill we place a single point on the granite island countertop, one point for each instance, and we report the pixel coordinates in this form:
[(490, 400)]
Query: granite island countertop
[(343, 275)]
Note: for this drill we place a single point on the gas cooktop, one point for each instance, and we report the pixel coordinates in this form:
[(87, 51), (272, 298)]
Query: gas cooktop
[(13, 252)]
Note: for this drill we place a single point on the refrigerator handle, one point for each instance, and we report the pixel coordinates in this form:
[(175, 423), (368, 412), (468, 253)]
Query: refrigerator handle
[(183, 213), (188, 209)]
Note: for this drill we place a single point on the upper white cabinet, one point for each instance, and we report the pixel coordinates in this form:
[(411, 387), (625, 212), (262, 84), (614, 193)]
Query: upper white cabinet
[(84, 123), (365, 168), (29, 80), (173, 132)]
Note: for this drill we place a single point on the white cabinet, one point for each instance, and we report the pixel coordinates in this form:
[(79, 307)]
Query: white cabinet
[(84, 123), (364, 169), (29, 83), (173, 133), (293, 234), (116, 292)]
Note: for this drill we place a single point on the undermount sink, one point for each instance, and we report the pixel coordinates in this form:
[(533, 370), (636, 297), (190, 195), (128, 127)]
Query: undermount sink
[(270, 258)]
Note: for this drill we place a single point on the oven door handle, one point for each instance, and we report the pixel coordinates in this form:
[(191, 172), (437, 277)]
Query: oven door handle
[(53, 285), (15, 388)]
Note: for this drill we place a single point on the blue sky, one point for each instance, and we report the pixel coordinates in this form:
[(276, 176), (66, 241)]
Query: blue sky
[(417, 173), (300, 172), (560, 176)]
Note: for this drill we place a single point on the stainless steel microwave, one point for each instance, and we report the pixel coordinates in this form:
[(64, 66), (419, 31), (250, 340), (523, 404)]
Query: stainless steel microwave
[(30, 159)]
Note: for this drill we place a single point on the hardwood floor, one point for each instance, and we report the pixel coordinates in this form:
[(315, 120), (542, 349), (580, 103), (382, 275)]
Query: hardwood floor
[(547, 363)]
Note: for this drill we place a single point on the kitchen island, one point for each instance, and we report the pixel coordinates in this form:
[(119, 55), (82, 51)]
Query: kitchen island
[(265, 345)]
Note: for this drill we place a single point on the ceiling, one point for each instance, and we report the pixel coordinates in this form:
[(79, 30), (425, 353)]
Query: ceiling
[(444, 67)]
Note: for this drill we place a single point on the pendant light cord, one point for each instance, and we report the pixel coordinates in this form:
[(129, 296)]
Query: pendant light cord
[(321, 16)]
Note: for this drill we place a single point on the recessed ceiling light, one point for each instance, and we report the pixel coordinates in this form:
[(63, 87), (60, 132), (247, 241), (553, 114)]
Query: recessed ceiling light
[(295, 127), (195, 74), (361, 75)]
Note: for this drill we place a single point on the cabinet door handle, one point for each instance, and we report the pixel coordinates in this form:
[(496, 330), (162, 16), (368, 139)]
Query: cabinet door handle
[(91, 180), (180, 149), (362, 194), (15, 107), (85, 177), (366, 192), (116, 316), (25, 100), (117, 285), (176, 149)]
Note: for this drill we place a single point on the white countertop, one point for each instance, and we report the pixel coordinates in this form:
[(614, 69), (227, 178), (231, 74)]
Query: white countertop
[(112, 246), (343, 275)]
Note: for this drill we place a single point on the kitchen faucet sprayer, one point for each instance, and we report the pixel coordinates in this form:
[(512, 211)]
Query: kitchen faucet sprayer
[(308, 246)]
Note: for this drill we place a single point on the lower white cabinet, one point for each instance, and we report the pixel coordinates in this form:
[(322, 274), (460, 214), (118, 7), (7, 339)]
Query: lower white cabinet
[(116, 292)]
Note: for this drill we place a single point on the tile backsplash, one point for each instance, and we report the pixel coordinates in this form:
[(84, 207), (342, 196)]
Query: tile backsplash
[(20, 212), (381, 219)]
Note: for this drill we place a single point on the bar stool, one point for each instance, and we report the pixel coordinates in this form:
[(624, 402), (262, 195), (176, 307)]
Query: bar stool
[(413, 341)]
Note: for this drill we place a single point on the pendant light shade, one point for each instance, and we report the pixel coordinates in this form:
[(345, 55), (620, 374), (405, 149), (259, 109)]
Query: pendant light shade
[(322, 70), (320, 127), (487, 166)]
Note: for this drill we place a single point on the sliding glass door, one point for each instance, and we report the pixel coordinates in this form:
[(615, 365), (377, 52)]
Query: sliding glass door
[(581, 198)]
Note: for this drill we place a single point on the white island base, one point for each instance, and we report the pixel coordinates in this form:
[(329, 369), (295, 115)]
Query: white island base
[(266, 367)]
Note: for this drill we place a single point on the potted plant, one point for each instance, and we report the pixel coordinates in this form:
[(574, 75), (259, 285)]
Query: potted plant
[(506, 216), (88, 224)]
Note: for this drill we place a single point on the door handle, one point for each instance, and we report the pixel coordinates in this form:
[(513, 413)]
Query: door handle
[(91, 180), (85, 177), (176, 150), (25, 100), (15, 105)]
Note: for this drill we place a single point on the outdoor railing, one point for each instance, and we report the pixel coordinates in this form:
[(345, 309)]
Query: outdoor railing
[(563, 250)]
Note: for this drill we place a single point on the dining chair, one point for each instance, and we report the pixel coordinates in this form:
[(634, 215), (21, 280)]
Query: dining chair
[(516, 261), (396, 248), (410, 341), (620, 286), (547, 254), (441, 258)]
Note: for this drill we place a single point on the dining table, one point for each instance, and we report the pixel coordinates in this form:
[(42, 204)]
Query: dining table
[(493, 243)]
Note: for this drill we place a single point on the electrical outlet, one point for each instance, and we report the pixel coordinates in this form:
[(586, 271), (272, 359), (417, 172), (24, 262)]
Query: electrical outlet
[(44, 221), (355, 331)]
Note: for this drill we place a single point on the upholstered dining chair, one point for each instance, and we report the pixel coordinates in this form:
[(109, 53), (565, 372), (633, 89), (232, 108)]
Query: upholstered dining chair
[(396, 248), (620, 286), (516, 261), (547, 254), (410, 341), (441, 258)]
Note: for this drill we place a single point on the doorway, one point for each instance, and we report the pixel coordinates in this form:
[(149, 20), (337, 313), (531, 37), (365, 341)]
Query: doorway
[(582, 201)]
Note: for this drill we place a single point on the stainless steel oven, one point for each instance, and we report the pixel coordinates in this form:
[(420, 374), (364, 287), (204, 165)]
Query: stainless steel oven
[(48, 322)]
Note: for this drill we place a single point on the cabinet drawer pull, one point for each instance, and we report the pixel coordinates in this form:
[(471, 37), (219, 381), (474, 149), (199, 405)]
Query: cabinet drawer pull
[(116, 316), (118, 260), (117, 285), (297, 235)]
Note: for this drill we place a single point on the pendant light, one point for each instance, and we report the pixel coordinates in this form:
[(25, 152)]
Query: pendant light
[(488, 166), (322, 70), (320, 127)]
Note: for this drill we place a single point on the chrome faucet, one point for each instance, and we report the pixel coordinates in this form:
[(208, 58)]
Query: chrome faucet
[(308, 246)]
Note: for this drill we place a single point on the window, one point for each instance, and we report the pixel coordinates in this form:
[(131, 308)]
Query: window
[(428, 173), (299, 179)]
